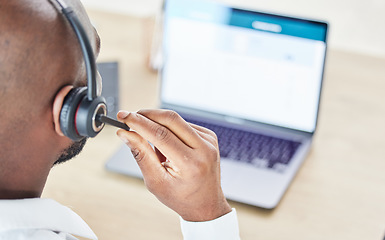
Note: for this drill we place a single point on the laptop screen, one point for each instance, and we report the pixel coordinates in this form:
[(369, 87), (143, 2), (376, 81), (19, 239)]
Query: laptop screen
[(244, 64)]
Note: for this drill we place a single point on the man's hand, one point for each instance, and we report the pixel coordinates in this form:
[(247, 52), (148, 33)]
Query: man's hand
[(183, 168)]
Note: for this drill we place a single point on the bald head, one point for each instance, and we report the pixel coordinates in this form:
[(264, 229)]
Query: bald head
[(38, 46), (39, 55)]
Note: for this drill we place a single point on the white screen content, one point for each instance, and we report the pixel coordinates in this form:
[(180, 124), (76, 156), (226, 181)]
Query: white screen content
[(239, 72)]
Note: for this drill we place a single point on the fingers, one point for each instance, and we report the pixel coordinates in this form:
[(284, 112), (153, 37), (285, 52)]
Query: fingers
[(147, 159), (182, 171), (176, 124), (162, 138)]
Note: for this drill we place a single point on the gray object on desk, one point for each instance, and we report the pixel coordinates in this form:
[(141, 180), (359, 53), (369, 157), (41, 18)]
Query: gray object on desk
[(110, 75), (124, 163)]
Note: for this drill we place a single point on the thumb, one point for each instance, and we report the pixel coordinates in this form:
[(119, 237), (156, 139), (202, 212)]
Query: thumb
[(144, 154)]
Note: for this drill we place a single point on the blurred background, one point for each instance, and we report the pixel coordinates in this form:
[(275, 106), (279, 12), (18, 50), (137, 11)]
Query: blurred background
[(339, 192), (356, 25)]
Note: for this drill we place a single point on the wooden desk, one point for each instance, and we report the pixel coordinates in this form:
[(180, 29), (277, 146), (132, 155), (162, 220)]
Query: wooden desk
[(339, 192)]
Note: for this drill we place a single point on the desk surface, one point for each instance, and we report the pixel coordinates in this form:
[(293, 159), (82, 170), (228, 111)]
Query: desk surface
[(339, 192)]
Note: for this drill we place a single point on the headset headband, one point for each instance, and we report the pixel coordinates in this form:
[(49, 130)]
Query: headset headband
[(80, 116), (88, 54)]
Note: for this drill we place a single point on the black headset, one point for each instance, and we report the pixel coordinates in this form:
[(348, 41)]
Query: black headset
[(84, 113)]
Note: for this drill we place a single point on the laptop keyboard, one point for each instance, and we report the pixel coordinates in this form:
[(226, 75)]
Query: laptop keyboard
[(257, 149)]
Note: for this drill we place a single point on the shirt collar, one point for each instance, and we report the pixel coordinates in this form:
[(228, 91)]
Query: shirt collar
[(40, 213)]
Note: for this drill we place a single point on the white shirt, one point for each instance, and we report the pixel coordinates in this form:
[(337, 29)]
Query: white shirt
[(45, 219)]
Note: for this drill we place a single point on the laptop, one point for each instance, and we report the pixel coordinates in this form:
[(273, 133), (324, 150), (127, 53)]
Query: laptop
[(253, 78)]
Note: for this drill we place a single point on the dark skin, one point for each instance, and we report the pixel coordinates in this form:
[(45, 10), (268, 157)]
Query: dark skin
[(40, 62), (39, 56)]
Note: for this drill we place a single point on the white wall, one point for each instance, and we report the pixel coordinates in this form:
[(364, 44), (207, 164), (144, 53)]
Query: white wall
[(131, 7), (356, 25)]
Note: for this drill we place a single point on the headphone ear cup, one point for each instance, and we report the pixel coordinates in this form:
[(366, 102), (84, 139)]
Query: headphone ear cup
[(86, 116), (69, 111)]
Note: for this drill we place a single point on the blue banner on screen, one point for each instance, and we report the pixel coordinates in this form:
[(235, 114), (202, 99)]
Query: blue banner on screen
[(215, 13)]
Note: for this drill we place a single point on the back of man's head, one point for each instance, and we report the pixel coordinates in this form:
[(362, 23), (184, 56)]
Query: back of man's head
[(39, 54)]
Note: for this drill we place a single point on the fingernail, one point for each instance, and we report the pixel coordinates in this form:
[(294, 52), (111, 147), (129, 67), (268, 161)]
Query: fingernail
[(123, 114)]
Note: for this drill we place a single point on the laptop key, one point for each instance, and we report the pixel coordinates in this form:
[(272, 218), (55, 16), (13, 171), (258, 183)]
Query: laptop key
[(261, 163), (279, 167), (258, 149)]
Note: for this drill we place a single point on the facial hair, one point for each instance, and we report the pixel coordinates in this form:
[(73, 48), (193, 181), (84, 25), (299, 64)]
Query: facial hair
[(71, 152)]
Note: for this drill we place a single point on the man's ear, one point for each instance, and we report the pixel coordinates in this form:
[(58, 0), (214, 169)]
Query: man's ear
[(57, 106)]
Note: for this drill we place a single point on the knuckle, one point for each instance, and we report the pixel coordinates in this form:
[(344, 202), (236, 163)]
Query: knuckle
[(161, 133), (172, 115), (213, 134), (213, 153), (212, 137), (137, 149), (138, 155)]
